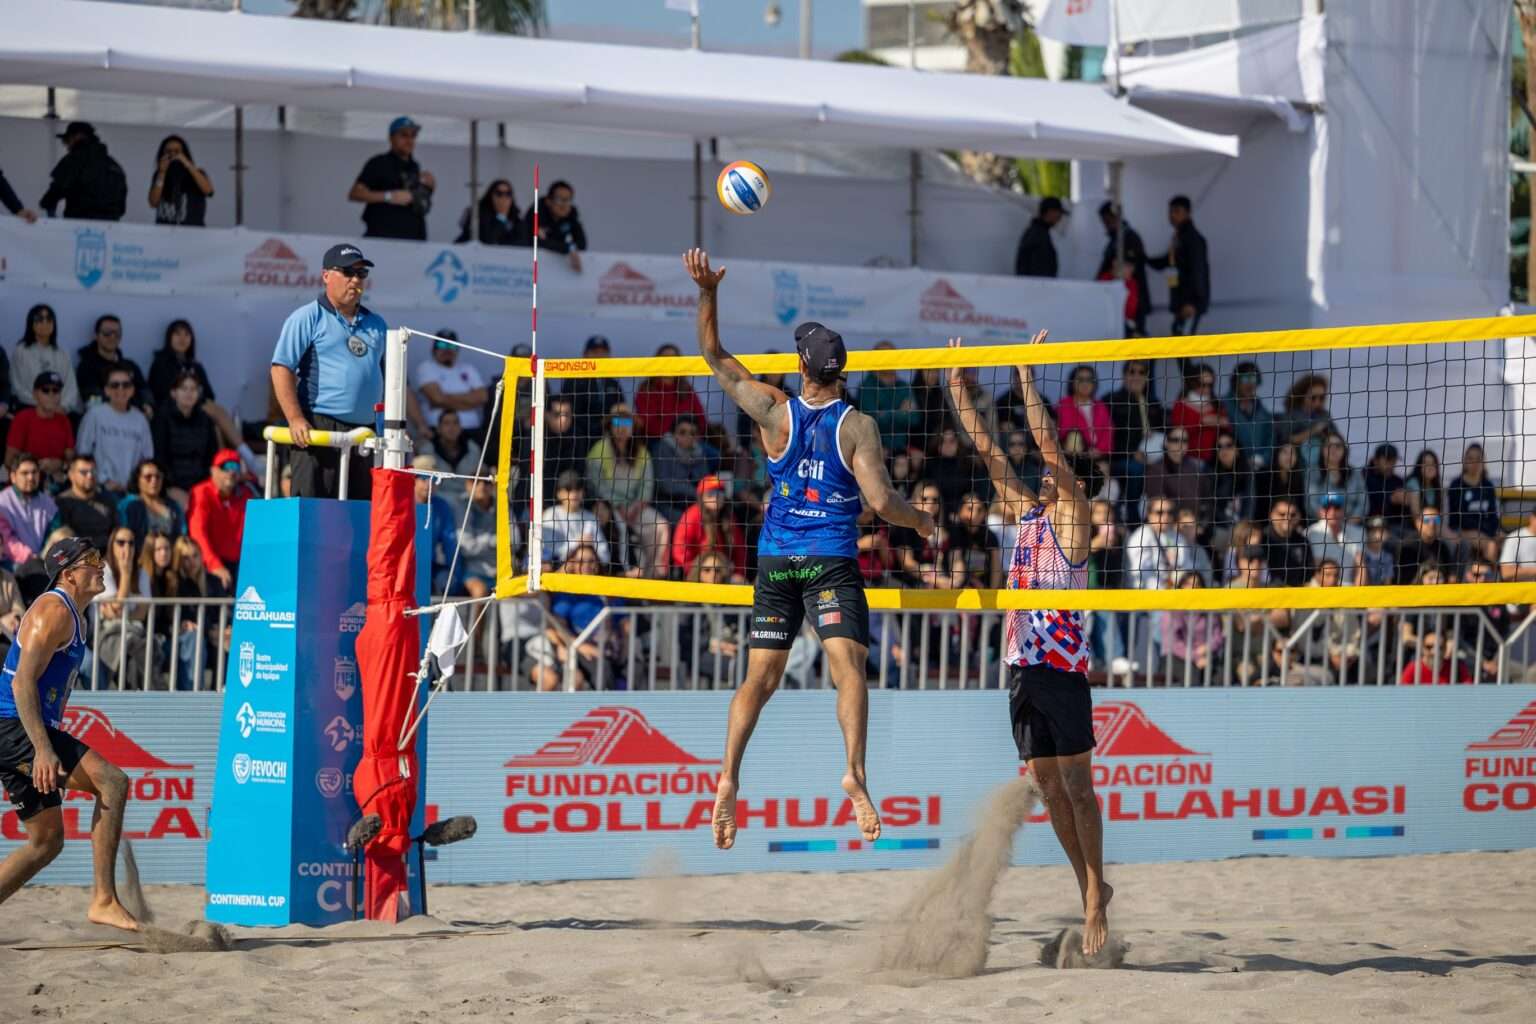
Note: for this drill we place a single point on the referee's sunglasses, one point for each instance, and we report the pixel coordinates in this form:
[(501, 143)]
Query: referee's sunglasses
[(356, 273)]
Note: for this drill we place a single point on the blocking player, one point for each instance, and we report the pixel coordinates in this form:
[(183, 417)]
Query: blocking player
[(824, 459), (1047, 650), (38, 760)]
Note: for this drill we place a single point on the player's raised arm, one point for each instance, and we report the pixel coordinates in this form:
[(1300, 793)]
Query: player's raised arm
[(868, 464), (1073, 514), (763, 402), (1010, 487)]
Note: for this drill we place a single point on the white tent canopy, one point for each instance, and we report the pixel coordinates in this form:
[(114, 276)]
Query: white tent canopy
[(246, 59)]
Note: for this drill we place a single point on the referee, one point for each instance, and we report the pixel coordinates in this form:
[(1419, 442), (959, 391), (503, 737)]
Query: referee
[(328, 373)]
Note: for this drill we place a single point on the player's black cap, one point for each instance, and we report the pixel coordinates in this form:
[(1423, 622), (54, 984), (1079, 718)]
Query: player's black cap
[(64, 554), (822, 349), (340, 257)]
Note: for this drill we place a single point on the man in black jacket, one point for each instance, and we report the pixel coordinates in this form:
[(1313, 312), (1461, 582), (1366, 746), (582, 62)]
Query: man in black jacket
[(1037, 254), (396, 192), (12, 202), (1286, 550), (91, 185), (1189, 269), (1135, 258)]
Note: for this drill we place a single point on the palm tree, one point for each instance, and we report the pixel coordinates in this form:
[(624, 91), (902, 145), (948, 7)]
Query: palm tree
[(514, 17), (987, 28)]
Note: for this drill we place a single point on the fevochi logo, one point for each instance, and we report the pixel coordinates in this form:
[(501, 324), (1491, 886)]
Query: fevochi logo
[(258, 769), (251, 608), (274, 264), (90, 256), (623, 285), (352, 619), (788, 296), (340, 733), (344, 681), (330, 782), (942, 303), (247, 662), (1505, 766), (612, 771), (241, 766), (449, 278)]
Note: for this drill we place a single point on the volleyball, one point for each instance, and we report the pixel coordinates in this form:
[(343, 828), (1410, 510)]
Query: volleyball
[(743, 187)]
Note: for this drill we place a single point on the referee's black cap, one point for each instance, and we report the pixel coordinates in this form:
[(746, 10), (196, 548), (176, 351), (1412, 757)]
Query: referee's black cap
[(823, 351), (340, 257)]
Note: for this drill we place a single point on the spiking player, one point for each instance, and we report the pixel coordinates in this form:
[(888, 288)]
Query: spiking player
[(823, 457), (1047, 650)]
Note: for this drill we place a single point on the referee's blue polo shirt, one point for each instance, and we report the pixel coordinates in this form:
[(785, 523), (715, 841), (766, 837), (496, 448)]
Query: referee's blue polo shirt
[(339, 363)]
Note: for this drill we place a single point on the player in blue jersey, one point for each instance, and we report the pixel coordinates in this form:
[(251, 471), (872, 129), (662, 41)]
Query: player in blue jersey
[(825, 461), (38, 759)]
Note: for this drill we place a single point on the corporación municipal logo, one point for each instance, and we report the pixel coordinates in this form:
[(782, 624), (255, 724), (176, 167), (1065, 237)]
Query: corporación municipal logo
[(449, 278), (246, 719), (1501, 770), (788, 296), (250, 720), (252, 608), (344, 678), (247, 662), (90, 256)]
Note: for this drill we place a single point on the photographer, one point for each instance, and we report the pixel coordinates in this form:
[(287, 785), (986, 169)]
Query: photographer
[(398, 193)]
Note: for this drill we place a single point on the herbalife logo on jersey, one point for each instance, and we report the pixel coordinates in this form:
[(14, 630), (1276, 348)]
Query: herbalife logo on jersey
[(252, 608)]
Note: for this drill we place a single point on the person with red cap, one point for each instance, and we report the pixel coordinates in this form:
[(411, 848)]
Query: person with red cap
[(708, 525), (216, 517)]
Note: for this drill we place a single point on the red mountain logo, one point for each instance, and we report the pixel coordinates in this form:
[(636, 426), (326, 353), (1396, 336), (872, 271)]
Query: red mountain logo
[(608, 736), (1519, 733), (274, 264), (95, 730), (941, 295), (622, 277), (1123, 730), (273, 249)]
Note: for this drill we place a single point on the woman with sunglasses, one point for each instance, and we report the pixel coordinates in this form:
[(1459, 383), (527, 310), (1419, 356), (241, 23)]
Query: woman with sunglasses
[(38, 352), (494, 219), (619, 469), (146, 509), (123, 640), (560, 227)]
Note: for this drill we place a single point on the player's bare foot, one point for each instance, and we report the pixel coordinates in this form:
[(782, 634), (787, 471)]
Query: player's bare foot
[(112, 914), (863, 807), (725, 814), (1096, 920)]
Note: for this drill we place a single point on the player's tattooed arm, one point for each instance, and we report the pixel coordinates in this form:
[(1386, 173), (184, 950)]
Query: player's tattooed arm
[(867, 460), (1012, 490), (762, 402)]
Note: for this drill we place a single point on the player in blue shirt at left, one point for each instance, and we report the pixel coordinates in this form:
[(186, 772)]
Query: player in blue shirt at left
[(825, 461)]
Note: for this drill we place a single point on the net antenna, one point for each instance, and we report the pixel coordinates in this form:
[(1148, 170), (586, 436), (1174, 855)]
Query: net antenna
[(536, 426)]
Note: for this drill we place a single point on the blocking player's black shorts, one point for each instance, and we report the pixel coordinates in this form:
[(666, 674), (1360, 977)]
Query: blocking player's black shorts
[(16, 766), (827, 590), (1052, 711)]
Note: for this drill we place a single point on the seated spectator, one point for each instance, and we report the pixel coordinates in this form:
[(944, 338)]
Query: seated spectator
[(1230, 499), (1337, 540), (661, 401), (1432, 664), (494, 220), (719, 640), (177, 354), (1253, 425), (102, 355), (180, 190), (1425, 485), (1080, 410), (888, 400), (1140, 423), (1199, 413), (37, 353), (564, 448), (1177, 475), (216, 518), (90, 184), (442, 526), (1106, 571), (708, 525), (560, 227), (590, 398), (954, 470), (1338, 632), (116, 434), (458, 452), (1472, 506), (1157, 553), (1517, 560), (1334, 475), (1386, 495), (1246, 533), (12, 608), (1425, 548), (1285, 479), (570, 615), (396, 192), (146, 509), (930, 394), (619, 470), (874, 548), (1250, 569), (681, 459), (1376, 559), (567, 524), (1305, 421), (1481, 641), (1286, 549), (27, 511), (191, 581), (446, 382), (975, 557), (184, 437), (122, 639), (1188, 524), (83, 507), (920, 560), (477, 541), (43, 429), (1286, 669), (1024, 459), (1192, 636), (1250, 627)]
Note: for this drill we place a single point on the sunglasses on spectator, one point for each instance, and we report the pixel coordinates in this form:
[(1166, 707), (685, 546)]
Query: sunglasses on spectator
[(118, 385), (623, 421), (123, 542)]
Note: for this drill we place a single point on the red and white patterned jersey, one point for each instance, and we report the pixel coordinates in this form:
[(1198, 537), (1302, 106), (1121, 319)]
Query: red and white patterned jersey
[(1055, 639)]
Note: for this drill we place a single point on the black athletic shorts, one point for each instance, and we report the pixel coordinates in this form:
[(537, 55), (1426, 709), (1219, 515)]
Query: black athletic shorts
[(16, 766), (1052, 711), (827, 590)]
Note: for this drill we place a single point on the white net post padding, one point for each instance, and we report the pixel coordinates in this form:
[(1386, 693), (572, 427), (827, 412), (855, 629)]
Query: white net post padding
[(397, 443)]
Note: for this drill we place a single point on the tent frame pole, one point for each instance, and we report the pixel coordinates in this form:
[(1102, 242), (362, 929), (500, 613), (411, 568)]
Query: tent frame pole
[(474, 170), (239, 167), (1116, 174), (914, 205)]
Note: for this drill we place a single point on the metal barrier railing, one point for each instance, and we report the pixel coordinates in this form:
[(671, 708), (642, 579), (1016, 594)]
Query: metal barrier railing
[(158, 655)]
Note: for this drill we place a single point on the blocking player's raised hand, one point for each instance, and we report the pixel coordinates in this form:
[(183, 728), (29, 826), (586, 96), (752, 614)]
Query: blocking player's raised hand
[(697, 262)]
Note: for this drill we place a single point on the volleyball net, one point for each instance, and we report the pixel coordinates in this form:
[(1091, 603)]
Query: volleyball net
[(1330, 468)]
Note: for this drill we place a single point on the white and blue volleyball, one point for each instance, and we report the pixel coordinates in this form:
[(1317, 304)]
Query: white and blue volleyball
[(743, 187)]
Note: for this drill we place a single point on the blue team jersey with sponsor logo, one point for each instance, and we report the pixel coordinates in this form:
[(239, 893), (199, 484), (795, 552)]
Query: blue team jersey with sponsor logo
[(814, 508), (57, 678)]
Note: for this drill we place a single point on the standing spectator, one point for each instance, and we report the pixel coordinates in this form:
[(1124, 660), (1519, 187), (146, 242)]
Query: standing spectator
[(1252, 423), (1305, 420), (708, 525), (681, 460), (1386, 495), (1081, 411), (1472, 506), (1517, 560), (146, 509), (659, 401), (101, 356), (39, 352), (560, 227), (1198, 411), (494, 220), (12, 202), (1177, 477), (1037, 254), (458, 452), (1231, 492), (184, 436), (1140, 422), (398, 193), (592, 397), (888, 400), (1425, 549), (91, 185), (1334, 475), (1134, 311), (568, 524), (445, 383), (180, 190), (216, 518), (327, 374), (619, 470), (1334, 538), (27, 512), (1425, 484), (1286, 549), (118, 436), (1135, 257), (1283, 480), (42, 429), (83, 508), (1157, 553), (1189, 269), (1376, 559)]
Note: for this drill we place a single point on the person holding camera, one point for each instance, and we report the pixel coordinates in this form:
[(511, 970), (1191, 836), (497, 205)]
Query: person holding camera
[(398, 193)]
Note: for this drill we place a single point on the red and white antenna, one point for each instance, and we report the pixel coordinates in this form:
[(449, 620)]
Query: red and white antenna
[(536, 460)]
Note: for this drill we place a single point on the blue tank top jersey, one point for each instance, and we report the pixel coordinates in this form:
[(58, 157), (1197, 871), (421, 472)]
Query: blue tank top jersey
[(58, 676), (814, 508)]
